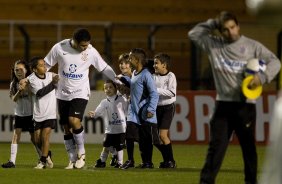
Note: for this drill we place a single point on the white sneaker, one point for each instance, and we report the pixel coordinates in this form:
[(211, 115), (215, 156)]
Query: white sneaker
[(40, 165), (49, 162), (80, 161), (71, 165)]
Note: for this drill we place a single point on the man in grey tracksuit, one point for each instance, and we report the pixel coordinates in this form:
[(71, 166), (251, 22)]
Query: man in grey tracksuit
[(229, 54)]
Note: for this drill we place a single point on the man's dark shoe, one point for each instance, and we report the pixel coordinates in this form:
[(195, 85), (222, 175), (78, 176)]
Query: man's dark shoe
[(147, 165)]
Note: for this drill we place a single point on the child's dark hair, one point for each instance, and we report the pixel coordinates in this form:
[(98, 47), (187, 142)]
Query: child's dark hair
[(111, 82), (81, 34), (140, 54), (163, 58), (34, 61), (14, 79)]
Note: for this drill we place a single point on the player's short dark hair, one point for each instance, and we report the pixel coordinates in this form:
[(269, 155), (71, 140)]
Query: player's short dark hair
[(81, 34), (111, 82), (34, 61), (163, 58), (140, 54), (225, 16)]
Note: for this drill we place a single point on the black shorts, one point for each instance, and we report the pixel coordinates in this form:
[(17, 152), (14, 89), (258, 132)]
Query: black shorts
[(165, 115), (45, 124), (73, 108), (115, 140), (132, 131), (25, 123)]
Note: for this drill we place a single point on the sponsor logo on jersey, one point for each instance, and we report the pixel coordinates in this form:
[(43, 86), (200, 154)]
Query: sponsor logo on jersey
[(71, 74)]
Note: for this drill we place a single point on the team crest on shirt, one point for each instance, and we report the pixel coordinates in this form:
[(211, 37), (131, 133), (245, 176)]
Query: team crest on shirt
[(84, 56), (115, 119), (115, 116), (71, 74), (72, 68)]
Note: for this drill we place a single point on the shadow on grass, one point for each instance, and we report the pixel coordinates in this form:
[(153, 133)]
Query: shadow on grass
[(90, 168)]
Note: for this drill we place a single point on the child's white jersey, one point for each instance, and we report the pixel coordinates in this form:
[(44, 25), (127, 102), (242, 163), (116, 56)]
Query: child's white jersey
[(166, 87), (23, 105), (113, 110), (45, 107), (73, 69)]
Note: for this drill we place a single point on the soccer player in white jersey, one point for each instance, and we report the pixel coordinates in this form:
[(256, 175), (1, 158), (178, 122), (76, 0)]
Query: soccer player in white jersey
[(229, 53), (42, 85), (74, 57), (23, 110), (113, 110), (166, 87)]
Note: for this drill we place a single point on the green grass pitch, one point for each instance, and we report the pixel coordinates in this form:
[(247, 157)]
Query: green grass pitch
[(189, 158)]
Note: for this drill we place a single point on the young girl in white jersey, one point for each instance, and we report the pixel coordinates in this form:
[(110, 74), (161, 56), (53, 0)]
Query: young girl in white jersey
[(43, 84), (113, 109), (23, 109)]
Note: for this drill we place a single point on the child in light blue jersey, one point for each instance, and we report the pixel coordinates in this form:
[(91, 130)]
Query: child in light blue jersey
[(142, 109)]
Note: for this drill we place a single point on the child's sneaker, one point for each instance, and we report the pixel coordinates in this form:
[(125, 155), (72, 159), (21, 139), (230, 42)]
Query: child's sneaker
[(127, 164), (9, 164), (80, 161), (113, 162), (49, 162), (100, 164), (40, 165), (71, 165), (118, 165)]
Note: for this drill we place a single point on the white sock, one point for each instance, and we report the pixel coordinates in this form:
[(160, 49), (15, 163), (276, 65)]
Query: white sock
[(120, 156), (71, 149), (14, 151), (104, 154), (79, 140)]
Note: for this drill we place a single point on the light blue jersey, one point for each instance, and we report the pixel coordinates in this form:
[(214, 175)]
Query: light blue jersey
[(143, 97)]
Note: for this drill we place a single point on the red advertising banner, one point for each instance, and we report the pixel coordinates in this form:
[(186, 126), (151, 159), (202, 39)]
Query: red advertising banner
[(194, 110)]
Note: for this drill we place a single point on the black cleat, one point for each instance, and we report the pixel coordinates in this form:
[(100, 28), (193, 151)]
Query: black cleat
[(147, 165), (113, 161), (100, 164), (163, 165), (118, 165), (9, 164), (127, 164), (169, 164)]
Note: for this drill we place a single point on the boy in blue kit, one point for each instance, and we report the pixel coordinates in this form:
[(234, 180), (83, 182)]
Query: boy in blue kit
[(142, 108)]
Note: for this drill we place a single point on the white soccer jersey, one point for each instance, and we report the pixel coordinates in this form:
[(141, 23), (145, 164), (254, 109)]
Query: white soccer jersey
[(113, 110), (166, 86), (44, 108), (73, 69), (23, 105)]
